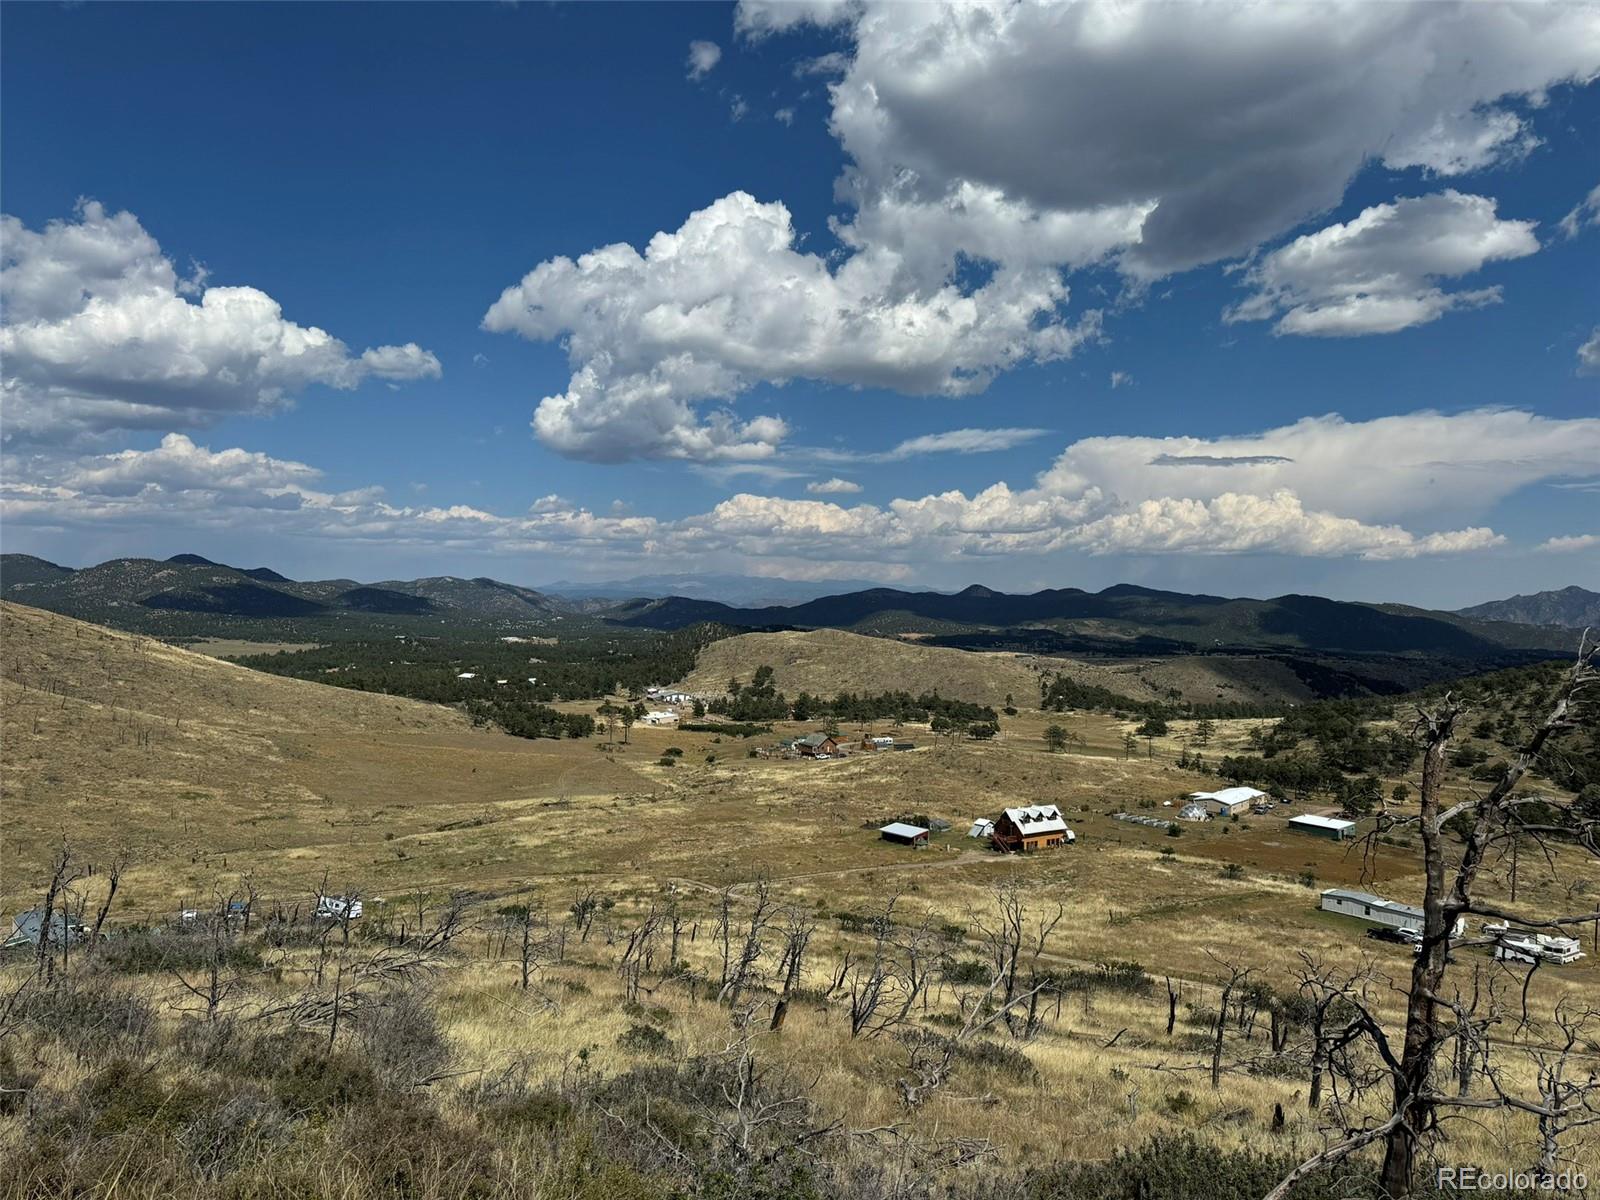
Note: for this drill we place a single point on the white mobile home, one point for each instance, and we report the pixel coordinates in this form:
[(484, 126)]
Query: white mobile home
[(1367, 907)]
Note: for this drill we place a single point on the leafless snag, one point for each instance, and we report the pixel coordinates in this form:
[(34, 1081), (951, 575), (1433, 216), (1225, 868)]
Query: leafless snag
[(217, 980), (119, 863), (64, 872), (739, 974), (1011, 933), (798, 929), (1495, 819)]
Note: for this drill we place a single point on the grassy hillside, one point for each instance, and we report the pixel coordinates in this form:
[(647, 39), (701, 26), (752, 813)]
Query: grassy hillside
[(194, 763), (827, 661)]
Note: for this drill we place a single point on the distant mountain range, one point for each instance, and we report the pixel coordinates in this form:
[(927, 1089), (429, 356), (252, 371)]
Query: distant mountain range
[(754, 591), (191, 596), (1134, 619), (184, 593), (1569, 608)]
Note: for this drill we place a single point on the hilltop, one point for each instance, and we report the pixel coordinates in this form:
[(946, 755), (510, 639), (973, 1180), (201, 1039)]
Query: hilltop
[(1568, 607), (828, 661)]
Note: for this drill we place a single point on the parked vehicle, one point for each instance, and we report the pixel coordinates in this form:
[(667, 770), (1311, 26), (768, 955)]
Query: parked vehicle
[(1383, 933)]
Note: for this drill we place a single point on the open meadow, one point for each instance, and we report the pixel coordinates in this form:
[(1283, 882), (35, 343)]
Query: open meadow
[(613, 965)]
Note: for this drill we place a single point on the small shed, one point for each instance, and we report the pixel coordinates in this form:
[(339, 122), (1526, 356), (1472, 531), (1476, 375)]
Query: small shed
[(981, 828), (1194, 812), (905, 835), (1328, 827)]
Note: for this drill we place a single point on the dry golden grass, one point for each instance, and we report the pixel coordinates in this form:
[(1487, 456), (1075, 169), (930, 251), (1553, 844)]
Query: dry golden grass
[(208, 771), (826, 662)]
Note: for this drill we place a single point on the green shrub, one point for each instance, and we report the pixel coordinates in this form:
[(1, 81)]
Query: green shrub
[(645, 1039), (318, 1082)]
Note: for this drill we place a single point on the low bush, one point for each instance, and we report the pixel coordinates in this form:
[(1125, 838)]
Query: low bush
[(645, 1039)]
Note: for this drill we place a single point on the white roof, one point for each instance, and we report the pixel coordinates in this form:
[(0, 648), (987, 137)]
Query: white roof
[(1037, 818), (901, 829), (1233, 795), (1317, 822), (1367, 898), (982, 827), (1193, 812)]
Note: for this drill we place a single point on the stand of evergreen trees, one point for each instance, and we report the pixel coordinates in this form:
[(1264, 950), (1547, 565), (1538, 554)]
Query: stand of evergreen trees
[(759, 700)]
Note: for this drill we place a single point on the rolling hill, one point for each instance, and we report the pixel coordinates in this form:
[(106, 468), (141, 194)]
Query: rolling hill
[(828, 661)]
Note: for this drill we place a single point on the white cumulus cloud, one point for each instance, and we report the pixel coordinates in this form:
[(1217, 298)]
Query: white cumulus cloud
[(1209, 128), (1381, 271), (728, 301), (1395, 488), (833, 487), (1570, 544), (703, 57), (100, 333), (1589, 354), (1584, 215)]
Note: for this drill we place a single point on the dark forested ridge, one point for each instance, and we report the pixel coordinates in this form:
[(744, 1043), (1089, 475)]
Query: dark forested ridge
[(1136, 619), (188, 595), (191, 596)]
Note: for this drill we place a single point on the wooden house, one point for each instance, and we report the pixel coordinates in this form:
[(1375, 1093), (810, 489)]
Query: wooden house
[(1038, 827), (815, 744)]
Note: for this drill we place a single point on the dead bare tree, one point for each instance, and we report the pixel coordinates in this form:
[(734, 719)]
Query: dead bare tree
[(119, 863), (637, 954), (932, 1059), (798, 930), (216, 980), (739, 974), (64, 872), (1236, 977), (1010, 933), (1493, 820)]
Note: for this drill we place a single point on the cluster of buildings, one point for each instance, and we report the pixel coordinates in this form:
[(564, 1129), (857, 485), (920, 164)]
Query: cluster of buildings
[(1014, 831), (837, 745), (1236, 801)]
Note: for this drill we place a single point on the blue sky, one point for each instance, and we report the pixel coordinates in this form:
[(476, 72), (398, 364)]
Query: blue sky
[(1026, 297)]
